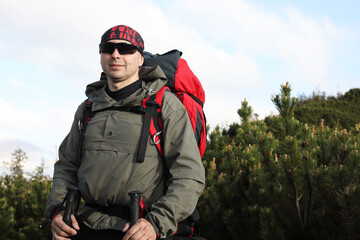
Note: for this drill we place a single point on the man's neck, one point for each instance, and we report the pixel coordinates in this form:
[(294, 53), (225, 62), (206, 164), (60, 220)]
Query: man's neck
[(117, 85), (124, 92)]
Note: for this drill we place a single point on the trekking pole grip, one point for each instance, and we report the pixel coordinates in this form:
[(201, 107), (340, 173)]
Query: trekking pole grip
[(134, 207), (70, 203)]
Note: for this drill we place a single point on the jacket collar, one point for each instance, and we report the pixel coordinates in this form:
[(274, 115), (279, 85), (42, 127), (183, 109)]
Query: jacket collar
[(153, 79)]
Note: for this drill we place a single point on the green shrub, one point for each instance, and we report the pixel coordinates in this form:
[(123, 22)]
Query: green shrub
[(281, 179), (23, 202)]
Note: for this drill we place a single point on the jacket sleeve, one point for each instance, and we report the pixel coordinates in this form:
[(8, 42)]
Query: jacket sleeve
[(186, 172), (65, 169)]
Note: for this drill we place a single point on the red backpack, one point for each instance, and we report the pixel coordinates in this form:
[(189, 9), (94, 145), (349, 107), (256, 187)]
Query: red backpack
[(183, 83), (187, 87)]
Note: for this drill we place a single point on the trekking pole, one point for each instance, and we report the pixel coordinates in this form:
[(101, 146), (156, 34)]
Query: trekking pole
[(70, 202), (134, 207)]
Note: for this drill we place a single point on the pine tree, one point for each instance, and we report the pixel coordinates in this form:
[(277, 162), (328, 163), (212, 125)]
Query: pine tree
[(23, 201), (7, 211), (16, 163), (37, 191)]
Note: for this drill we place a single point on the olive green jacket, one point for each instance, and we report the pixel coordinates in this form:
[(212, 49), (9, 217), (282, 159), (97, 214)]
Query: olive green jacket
[(108, 170)]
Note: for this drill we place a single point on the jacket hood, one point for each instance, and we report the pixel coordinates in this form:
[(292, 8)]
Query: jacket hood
[(152, 78)]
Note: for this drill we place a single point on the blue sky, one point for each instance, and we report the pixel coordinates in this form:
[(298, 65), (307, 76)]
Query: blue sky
[(239, 49)]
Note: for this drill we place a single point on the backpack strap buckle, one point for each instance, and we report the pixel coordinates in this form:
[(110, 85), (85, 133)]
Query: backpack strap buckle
[(80, 125), (156, 135)]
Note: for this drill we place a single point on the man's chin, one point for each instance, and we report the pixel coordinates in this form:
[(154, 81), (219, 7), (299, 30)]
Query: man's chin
[(117, 80), (115, 77)]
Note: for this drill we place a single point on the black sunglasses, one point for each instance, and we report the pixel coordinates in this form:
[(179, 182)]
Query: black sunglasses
[(123, 48)]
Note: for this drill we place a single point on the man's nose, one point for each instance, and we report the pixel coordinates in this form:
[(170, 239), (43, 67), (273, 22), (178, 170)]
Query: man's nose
[(116, 54)]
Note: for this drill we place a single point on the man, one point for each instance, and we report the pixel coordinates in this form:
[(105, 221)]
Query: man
[(108, 169)]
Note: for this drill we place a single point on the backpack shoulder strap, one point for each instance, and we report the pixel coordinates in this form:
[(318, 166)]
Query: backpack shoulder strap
[(157, 126), (152, 123), (87, 115), (150, 106)]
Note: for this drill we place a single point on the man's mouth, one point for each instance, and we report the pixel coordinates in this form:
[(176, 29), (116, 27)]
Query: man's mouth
[(116, 65)]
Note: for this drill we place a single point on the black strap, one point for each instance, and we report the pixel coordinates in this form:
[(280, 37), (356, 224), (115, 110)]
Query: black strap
[(134, 109), (188, 227), (86, 117), (145, 132)]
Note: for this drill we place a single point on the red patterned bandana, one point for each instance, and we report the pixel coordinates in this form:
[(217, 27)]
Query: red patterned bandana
[(125, 33)]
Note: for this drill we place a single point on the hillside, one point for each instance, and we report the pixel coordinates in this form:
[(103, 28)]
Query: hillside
[(340, 112)]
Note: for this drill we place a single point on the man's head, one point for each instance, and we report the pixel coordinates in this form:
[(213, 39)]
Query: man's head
[(121, 50), (122, 32)]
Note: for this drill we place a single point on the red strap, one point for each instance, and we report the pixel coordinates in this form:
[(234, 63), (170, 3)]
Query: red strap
[(192, 232), (143, 207), (56, 213), (177, 225), (156, 138)]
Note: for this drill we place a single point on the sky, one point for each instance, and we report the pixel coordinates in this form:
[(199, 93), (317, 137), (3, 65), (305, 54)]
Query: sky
[(239, 49)]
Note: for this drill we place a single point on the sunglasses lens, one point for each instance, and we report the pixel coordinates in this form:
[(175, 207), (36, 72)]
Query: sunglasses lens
[(108, 48), (122, 48)]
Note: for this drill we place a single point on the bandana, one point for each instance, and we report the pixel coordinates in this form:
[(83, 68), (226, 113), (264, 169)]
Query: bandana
[(124, 33)]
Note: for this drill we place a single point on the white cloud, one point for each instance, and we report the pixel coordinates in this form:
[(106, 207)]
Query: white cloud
[(14, 120), (37, 132), (305, 46), (35, 155), (47, 58), (21, 84), (303, 42), (44, 127), (17, 83)]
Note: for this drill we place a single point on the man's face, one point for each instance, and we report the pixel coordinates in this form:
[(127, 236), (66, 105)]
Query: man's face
[(121, 68)]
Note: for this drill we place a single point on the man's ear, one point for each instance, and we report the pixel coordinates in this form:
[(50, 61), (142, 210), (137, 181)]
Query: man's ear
[(141, 60)]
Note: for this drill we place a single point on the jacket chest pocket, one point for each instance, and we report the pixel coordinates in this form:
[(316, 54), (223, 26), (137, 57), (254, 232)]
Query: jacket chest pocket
[(116, 131), (124, 128)]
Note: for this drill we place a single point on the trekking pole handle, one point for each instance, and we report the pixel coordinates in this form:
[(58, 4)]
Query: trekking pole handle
[(134, 207), (70, 202)]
